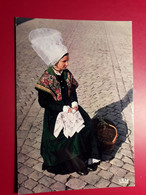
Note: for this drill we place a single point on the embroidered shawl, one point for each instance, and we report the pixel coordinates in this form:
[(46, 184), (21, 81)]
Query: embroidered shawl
[(49, 83)]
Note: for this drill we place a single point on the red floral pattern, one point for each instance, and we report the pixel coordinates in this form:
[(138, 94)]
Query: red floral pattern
[(50, 82)]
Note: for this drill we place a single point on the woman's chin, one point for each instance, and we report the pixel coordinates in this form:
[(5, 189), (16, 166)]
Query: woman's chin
[(64, 68)]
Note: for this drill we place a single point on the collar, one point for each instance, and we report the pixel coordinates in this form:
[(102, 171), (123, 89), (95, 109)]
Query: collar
[(57, 72)]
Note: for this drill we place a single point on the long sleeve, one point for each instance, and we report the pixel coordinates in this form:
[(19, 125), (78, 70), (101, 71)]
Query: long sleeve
[(74, 97), (46, 101)]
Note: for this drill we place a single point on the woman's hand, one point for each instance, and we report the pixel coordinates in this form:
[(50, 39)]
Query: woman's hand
[(73, 110), (76, 108), (70, 110)]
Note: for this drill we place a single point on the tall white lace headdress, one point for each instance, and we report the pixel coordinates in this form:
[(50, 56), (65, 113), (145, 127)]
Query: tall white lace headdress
[(48, 44)]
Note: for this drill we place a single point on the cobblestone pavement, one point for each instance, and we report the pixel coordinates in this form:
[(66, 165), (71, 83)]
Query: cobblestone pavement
[(101, 61)]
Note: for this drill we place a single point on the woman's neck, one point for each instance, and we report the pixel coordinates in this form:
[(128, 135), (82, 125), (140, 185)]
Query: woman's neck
[(58, 72)]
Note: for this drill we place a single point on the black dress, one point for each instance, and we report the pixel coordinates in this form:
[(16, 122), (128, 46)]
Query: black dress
[(63, 155)]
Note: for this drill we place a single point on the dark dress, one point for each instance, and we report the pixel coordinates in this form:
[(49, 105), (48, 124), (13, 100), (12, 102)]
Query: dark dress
[(64, 155)]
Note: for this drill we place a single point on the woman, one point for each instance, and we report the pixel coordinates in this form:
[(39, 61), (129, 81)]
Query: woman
[(65, 151)]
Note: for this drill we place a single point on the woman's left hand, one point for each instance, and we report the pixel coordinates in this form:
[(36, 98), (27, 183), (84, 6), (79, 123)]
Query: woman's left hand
[(76, 108), (70, 110)]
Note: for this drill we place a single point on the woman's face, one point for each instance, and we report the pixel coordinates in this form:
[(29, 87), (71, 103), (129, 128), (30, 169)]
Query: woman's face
[(63, 63)]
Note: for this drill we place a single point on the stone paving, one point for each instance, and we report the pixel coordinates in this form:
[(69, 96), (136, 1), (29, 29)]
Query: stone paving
[(101, 61)]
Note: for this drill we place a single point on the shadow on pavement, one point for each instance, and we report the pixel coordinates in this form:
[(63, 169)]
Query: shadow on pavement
[(113, 112)]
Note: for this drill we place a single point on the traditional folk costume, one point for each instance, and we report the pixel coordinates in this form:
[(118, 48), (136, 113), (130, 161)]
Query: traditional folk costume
[(68, 140)]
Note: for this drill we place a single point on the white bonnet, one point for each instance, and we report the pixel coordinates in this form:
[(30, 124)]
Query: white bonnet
[(48, 44)]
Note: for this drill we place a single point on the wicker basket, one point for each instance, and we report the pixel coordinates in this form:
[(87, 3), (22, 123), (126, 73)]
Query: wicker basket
[(106, 134)]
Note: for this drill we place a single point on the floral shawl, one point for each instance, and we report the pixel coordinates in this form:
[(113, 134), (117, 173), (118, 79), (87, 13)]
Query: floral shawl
[(49, 83)]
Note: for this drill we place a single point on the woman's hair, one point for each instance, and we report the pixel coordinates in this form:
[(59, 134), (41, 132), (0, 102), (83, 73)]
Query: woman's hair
[(64, 55)]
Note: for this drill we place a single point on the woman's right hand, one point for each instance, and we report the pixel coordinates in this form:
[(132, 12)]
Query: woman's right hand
[(70, 110), (76, 108)]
